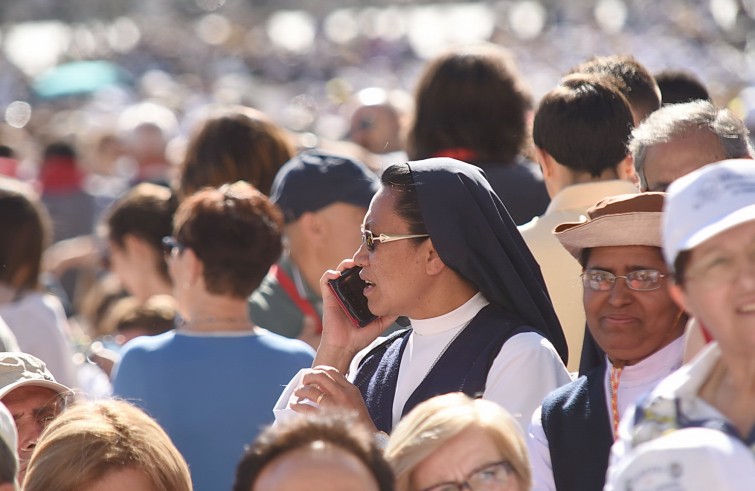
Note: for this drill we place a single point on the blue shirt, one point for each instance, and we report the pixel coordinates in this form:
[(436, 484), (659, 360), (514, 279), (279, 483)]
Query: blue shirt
[(212, 393)]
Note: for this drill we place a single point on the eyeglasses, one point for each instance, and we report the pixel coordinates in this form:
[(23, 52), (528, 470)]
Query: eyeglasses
[(170, 243), (490, 477), (642, 280), (369, 240)]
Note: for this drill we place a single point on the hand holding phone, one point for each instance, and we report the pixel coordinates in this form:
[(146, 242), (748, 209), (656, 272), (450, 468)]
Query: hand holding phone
[(349, 291)]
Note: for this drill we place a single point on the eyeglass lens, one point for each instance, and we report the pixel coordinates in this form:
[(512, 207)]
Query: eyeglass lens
[(641, 280)]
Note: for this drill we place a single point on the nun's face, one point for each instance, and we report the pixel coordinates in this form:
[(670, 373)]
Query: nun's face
[(395, 270), (630, 325)]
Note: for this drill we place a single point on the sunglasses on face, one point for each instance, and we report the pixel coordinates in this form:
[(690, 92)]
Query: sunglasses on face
[(369, 240), (170, 244)]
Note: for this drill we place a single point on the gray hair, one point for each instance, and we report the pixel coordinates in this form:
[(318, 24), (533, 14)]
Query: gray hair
[(674, 120)]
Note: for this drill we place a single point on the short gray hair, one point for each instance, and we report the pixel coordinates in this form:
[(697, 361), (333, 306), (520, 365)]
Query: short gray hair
[(674, 120)]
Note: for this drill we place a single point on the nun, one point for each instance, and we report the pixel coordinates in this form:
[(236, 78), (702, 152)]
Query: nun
[(439, 248)]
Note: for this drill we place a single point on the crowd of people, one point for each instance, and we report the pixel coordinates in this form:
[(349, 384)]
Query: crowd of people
[(560, 295)]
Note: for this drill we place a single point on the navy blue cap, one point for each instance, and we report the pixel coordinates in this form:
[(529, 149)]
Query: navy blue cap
[(314, 179)]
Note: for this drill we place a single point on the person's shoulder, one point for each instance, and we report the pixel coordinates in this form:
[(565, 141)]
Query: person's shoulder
[(42, 311), (286, 345), (530, 228), (659, 404), (530, 341), (147, 344), (42, 303), (564, 395), (268, 288), (685, 381), (535, 356)]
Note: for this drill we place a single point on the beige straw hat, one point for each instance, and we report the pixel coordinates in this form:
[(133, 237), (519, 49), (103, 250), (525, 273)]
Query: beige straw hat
[(622, 220)]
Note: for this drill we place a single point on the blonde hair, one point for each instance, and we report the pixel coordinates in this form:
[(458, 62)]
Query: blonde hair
[(91, 439), (434, 422)]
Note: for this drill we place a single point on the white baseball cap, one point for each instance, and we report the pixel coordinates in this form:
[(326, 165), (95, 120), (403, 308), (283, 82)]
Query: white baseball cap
[(22, 370), (705, 203), (690, 459)]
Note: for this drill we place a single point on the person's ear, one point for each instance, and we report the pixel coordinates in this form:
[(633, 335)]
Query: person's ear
[(434, 264), (545, 160), (310, 223), (194, 266), (677, 294), (130, 243), (134, 246), (625, 170)]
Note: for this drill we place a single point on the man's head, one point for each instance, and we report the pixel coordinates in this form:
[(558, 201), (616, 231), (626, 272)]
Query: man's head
[(324, 198), (583, 124), (679, 138), (326, 451), (377, 120), (679, 86), (32, 396), (638, 85)]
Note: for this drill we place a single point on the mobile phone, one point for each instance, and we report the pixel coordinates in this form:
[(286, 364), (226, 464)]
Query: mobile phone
[(349, 291)]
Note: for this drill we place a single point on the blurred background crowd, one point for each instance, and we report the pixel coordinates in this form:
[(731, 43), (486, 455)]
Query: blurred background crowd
[(303, 62)]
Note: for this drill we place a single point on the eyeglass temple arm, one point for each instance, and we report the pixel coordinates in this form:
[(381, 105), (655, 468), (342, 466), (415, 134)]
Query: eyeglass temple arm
[(382, 238)]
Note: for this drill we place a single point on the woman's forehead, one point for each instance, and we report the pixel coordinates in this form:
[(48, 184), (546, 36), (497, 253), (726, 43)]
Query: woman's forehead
[(634, 255), (382, 208)]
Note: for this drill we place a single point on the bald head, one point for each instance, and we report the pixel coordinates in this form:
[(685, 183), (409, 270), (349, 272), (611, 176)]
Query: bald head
[(319, 466)]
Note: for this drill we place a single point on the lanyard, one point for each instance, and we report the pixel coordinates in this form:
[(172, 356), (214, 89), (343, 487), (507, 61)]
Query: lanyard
[(615, 376), (304, 305)]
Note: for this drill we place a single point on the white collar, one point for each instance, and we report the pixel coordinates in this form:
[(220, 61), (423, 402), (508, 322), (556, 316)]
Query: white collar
[(662, 362), (455, 319)]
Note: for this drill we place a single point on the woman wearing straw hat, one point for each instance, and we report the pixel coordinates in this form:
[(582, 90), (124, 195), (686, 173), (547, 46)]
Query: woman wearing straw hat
[(632, 318)]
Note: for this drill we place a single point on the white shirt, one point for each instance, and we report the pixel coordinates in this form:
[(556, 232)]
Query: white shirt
[(635, 381), (683, 386), (526, 369), (41, 329)]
